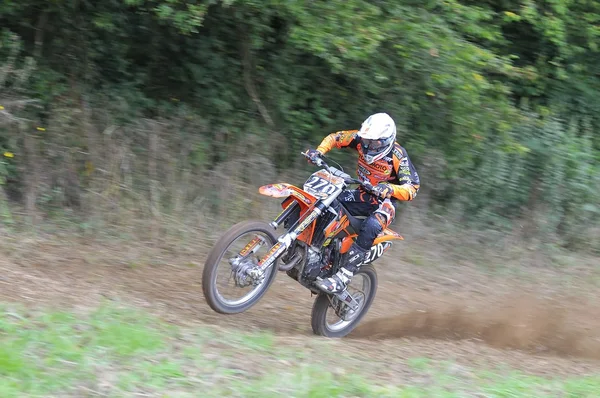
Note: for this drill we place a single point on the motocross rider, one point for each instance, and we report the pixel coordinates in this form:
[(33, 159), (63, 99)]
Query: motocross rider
[(386, 165)]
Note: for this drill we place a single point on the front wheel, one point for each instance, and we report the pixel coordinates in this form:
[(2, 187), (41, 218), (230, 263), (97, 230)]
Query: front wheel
[(240, 292), (362, 287)]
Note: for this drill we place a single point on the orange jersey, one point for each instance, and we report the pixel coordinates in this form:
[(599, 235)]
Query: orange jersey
[(395, 168)]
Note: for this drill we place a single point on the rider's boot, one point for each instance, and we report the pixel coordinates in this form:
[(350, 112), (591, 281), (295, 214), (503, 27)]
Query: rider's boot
[(338, 282)]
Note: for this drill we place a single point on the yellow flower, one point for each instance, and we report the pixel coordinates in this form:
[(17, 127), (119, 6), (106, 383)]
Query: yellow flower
[(89, 168), (40, 129), (9, 154), (1, 107)]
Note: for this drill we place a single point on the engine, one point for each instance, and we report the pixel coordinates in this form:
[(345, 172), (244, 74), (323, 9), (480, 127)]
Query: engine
[(320, 264)]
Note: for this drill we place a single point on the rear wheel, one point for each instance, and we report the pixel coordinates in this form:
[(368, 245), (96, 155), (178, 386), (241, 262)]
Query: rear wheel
[(226, 286), (332, 319)]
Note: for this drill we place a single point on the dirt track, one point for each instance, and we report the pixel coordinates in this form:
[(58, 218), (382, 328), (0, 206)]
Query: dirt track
[(469, 317)]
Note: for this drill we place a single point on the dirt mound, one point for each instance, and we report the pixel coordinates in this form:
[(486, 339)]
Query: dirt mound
[(525, 323)]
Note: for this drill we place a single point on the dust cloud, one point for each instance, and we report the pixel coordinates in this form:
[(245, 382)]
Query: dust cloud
[(525, 323)]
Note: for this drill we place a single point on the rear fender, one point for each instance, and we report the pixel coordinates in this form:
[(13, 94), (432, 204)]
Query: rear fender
[(380, 245), (387, 235)]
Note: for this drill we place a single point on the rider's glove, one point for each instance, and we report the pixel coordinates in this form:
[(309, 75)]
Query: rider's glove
[(383, 190), (313, 155)]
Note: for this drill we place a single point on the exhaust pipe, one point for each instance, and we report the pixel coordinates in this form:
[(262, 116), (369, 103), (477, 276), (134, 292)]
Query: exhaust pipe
[(293, 262)]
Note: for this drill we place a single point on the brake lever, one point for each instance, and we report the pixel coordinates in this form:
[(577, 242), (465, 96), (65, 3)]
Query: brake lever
[(319, 162)]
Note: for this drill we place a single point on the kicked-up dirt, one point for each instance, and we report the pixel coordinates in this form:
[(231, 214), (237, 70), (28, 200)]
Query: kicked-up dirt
[(524, 323)]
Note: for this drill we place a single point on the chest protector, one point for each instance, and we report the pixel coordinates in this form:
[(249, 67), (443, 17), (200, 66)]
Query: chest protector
[(382, 170)]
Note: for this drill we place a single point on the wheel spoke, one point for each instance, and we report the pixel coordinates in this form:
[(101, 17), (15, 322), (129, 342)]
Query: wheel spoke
[(343, 313), (357, 290), (238, 288)]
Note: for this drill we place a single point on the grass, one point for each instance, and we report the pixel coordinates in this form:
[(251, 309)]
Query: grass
[(120, 352)]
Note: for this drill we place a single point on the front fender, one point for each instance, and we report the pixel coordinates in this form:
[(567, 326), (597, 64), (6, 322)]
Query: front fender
[(283, 190)]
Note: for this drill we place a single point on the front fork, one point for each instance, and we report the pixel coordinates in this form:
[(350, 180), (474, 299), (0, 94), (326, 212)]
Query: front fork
[(284, 242), (289, 209), (255, 244)]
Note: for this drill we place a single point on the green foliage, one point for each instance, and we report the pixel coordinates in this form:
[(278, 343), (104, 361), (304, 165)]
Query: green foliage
[(44, 353), (551, 176), (504, 91), (126, 335)]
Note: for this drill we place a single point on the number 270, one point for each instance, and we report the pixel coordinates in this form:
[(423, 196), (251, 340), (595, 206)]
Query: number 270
[(317, 183)]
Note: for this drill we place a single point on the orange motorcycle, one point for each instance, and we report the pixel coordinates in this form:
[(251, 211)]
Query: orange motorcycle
[(318, 232)]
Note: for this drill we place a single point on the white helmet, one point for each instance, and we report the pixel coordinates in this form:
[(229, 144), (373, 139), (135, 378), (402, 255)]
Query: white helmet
[(377, 136)]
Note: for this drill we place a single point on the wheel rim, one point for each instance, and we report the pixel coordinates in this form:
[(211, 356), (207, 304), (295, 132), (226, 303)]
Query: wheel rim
[(224, 269), (360, 291)]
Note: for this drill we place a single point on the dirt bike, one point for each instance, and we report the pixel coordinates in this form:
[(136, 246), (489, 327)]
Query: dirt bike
[(319, 231)]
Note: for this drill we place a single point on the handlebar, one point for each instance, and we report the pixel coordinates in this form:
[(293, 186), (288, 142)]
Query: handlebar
[(347, 178)]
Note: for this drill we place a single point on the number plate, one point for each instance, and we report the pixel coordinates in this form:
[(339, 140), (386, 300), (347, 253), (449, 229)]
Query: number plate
[(322, 184)]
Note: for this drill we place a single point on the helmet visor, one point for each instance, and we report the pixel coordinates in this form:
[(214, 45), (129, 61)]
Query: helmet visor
[(375, 147)]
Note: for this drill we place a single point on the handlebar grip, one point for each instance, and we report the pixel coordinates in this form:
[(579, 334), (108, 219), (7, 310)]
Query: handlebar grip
[(318, 161)]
